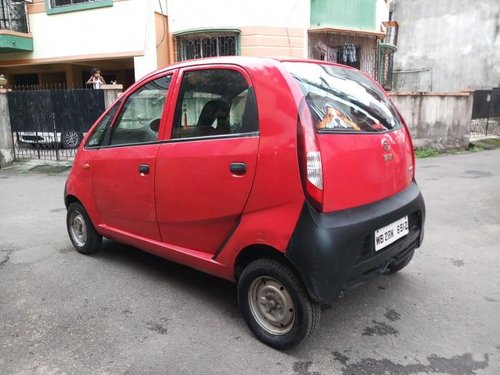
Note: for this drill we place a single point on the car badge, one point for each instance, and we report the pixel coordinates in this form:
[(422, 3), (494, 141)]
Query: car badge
[(386, 146)]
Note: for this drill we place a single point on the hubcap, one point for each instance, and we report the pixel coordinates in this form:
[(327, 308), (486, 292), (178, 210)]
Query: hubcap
[(71, 139), (78, 229), (271, 305)]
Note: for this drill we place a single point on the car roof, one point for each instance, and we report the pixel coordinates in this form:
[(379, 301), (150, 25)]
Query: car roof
[(246, 61)]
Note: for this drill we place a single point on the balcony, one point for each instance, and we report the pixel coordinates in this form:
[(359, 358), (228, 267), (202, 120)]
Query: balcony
[(14, 28)]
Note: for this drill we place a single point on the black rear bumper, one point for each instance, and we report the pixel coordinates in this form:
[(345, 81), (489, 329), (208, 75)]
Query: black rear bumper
[(335, 251)]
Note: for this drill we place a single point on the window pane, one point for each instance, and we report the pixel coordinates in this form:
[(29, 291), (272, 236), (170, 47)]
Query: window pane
[(213, 103), (97, 137), (139, 120), (343, 99)]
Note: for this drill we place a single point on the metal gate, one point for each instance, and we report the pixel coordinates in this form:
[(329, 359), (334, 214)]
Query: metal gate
[(50, 124), (486, 112)]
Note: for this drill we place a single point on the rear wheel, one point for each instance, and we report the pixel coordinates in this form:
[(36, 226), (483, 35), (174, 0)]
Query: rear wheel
[(391, 269), (275, 304), (81, 232)]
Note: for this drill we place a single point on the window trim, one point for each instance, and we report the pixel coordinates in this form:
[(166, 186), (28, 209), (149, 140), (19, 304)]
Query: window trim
[(213, 137), (76, 7)]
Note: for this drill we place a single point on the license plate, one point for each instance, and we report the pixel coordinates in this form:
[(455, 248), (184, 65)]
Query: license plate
[(391, 233)]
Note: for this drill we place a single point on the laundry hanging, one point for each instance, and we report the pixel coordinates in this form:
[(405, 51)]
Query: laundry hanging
[(348, 54)]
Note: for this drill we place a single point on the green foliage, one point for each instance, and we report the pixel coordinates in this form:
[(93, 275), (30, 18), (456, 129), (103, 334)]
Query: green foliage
[(426, 153)]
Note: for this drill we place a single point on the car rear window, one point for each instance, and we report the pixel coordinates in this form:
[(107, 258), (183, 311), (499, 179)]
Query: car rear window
[(343, 100)]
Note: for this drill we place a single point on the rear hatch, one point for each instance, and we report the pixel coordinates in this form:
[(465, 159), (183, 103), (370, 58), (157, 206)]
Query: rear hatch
[(365, 150)]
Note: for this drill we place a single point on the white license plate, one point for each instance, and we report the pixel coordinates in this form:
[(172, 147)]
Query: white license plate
[(391, 233)]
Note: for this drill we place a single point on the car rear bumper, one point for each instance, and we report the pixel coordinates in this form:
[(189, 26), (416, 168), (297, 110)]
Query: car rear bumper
[(335, 251)]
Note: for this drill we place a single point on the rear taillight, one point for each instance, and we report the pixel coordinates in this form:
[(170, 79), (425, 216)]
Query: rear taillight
[(309, 158), (314, 172)]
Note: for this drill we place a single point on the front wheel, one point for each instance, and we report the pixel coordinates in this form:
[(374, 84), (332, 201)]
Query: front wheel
[(81, 232), (275, 304)]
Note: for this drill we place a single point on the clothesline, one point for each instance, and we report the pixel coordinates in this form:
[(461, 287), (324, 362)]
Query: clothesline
[(346, 54)]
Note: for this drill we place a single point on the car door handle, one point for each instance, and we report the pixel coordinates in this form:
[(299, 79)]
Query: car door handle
[(143, 169), (238, 168)]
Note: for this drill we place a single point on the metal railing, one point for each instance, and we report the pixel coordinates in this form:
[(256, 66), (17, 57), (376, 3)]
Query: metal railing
[(50, 124)]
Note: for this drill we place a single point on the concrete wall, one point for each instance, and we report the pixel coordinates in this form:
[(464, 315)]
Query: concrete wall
[(6, 145), (459, 40), (195, 14), (440, 121)]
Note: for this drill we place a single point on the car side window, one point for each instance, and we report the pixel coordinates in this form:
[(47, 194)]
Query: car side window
[(139, 119), (214, 102), (97, 137)]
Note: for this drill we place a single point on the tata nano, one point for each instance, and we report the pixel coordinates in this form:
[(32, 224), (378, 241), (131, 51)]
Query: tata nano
[(293, 178)]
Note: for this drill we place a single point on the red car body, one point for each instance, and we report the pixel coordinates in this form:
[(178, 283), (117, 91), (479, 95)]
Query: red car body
[(219, 202)]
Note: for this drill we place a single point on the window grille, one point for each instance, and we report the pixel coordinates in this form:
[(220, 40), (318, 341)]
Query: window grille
[(358, 51), (61, 3), (13, 16), (195, 46)]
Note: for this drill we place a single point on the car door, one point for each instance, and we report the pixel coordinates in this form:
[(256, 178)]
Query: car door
[(206, 170), (124, 168)]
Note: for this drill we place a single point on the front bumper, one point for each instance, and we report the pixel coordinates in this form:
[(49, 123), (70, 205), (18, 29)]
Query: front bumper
[(335, 251)]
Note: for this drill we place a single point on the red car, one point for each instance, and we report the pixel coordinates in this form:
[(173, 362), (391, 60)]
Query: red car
[(294, 178)]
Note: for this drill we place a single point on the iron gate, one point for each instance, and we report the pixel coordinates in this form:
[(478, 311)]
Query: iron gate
[(50, 124), (486, 112)]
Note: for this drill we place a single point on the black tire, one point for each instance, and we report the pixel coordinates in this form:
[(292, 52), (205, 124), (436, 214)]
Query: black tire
[(71, 139), (391, 269), (81, 231), (281, 288)]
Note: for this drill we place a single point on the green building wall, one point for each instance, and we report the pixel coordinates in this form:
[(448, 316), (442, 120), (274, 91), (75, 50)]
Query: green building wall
[(345, 14)]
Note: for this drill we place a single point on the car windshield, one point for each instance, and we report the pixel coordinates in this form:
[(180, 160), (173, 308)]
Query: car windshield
[(343, 100)]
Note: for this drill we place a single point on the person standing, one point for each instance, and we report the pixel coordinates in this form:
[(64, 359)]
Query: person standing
[(96, 80)]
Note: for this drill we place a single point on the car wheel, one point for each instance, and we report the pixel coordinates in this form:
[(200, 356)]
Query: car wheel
[(391, 269), (82, 233), (71, 139), (275, 304)]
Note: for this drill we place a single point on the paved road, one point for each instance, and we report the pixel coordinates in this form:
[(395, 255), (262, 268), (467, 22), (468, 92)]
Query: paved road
[(125, 312)]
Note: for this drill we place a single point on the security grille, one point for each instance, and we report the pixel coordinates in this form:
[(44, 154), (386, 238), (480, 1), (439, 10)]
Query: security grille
[(61, 3), (195, 46), (13, 16), (359, 51)]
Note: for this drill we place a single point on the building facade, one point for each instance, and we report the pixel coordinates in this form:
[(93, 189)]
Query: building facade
[(61, 40), (347, 32), (47, 42)]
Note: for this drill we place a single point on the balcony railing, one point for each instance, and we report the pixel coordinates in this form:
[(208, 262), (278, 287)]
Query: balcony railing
[(13, 16)]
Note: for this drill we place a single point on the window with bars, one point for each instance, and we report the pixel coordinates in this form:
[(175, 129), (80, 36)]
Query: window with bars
[(199, 45), (61, 3), (64, 6)]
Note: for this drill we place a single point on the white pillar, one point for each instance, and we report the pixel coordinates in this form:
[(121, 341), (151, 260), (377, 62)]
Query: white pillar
[(6, 143)]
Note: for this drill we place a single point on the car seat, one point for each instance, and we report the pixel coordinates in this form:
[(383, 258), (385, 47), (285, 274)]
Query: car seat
[(216, 109)]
